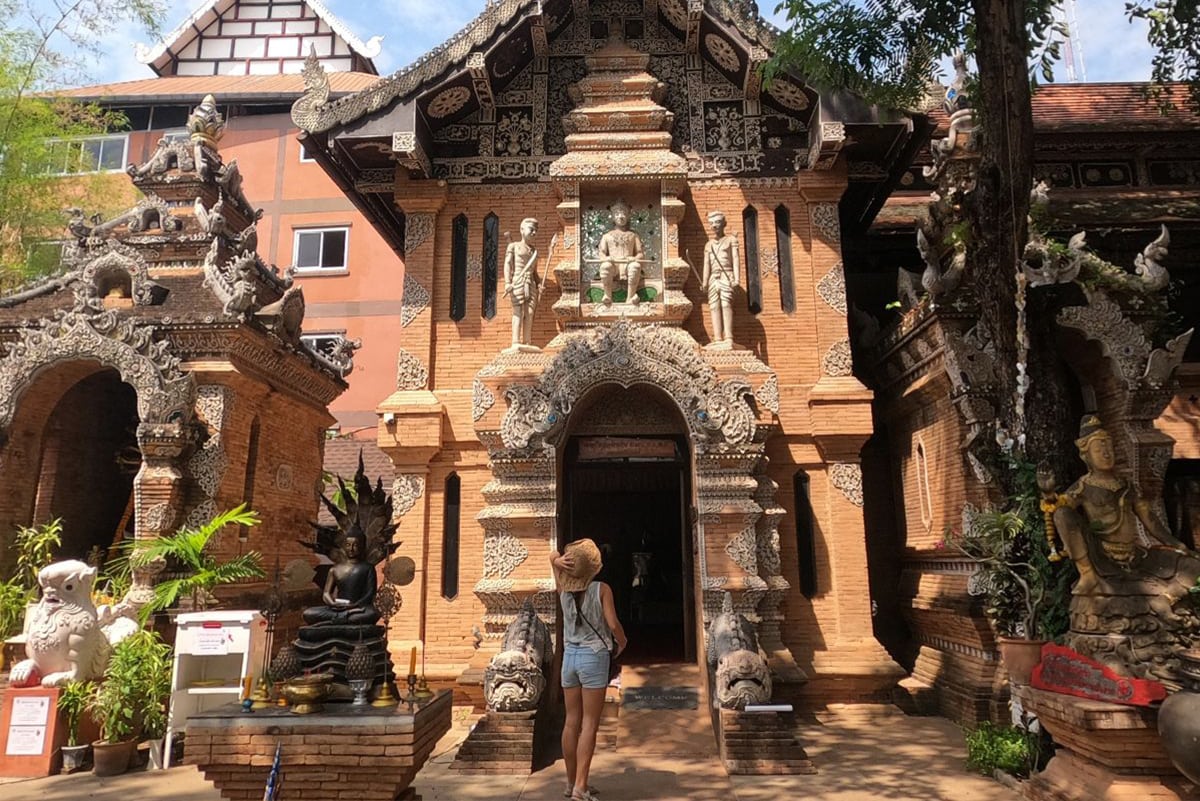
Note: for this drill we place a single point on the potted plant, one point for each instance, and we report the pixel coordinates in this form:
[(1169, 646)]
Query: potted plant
[(130, 696), (158, 660), (73, 699), (195, 571), (1024, 584)]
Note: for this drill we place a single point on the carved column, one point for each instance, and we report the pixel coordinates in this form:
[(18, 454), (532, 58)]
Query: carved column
[(158, 485), (727, 535)]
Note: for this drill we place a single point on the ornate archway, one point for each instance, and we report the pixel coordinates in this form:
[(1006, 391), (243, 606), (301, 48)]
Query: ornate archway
[(728, 400)]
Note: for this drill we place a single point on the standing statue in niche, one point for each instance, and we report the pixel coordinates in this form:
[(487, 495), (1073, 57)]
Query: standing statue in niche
[(721, 275), (621, 253), (521, 284)]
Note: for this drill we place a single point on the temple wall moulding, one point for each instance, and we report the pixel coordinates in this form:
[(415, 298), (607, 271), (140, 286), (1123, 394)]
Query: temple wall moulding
[(164, 392)]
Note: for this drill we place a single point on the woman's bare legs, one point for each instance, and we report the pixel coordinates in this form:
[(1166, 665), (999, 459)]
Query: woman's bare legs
[(593, 705), (570, 734)]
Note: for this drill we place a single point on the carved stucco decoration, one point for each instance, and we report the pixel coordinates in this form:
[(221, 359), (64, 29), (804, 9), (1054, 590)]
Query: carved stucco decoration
[(207, 466), (156, 517), (717, 412), (743, 550), (411, 372), (115, 260), (969, 361), (847, 477), (832, 288), (769, 262), (502, 554), (482, 399), (1124, 343), (418, 229), (406, 489), (164, 392), (767, 395), (416, 300), (838, 360), (825, 222)]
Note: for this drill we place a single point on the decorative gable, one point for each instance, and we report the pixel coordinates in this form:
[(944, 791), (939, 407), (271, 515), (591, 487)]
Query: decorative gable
[(259, 37)]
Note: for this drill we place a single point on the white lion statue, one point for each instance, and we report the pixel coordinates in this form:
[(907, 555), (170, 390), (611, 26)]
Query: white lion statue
[(66, 639)]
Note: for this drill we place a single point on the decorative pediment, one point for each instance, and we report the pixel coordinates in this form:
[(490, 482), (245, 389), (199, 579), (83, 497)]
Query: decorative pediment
[(115, 271)]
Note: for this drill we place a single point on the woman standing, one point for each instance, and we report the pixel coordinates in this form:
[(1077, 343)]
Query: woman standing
[(590, 627)]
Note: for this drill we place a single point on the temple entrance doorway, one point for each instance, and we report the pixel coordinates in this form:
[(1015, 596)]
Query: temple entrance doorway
[(89, 459), (630, 493)]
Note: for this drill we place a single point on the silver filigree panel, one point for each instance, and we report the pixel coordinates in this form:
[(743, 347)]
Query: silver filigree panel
[(416, 300), (482, 399), (406, 489), (838, 361), (411, 372), (832, 288), (847, 477)]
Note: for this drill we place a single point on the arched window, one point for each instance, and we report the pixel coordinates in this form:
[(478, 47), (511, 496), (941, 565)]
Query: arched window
[(491, 250), (806, 546), (458, 269), (450, 519), (783, 243), (753, 271)]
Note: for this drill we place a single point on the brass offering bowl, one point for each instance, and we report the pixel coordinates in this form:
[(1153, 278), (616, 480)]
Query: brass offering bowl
[(305, 693)]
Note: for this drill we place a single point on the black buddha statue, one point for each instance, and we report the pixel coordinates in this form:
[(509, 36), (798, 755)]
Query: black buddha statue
[(349, 588)]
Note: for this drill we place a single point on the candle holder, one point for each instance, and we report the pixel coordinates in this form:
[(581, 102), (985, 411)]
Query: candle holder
[(411, 698), (423, 692)]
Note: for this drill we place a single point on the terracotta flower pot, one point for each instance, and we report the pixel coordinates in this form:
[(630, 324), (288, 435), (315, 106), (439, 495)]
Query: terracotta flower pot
[(112, 759), (1020, 657), (74, 757)]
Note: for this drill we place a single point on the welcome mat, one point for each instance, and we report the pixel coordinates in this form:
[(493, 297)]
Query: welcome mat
[(651, 697)]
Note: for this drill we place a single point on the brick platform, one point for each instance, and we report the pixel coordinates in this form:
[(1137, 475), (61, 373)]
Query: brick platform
[(345, 752), (500, 743), (761, 743), (1107, 751)]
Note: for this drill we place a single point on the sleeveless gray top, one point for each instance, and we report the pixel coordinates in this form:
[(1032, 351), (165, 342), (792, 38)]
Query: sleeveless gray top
[(576, 631)]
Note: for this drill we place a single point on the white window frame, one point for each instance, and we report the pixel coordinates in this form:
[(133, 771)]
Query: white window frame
[(341, 269), (303, 160), (99, 137)]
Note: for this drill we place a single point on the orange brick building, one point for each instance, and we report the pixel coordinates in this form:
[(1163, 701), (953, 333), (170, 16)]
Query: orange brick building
[(701, 469)]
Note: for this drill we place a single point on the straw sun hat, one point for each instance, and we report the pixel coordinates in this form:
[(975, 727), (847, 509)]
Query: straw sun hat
[(587, 565)]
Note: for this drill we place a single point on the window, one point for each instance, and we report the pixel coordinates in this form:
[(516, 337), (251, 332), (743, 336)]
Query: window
[(251, 472), (806, 547), (783, 241), (321, 249), (491, 252), (458, 269), (89, 154), (450, 515), (753, 271)]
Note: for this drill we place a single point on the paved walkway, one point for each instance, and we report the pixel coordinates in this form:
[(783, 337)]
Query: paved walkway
[(896, 758)]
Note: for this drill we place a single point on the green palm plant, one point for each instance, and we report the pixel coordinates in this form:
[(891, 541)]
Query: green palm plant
[(187, 552)]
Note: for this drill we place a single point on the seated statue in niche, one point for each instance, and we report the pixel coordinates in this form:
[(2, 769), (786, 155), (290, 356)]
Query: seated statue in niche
[(350, 587), (621, 255), (1130, 607)]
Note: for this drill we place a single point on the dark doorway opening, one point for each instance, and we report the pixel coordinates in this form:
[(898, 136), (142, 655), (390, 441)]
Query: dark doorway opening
[(629, 494), (89, 459)]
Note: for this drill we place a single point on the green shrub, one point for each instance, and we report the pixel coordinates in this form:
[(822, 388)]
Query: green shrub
[(1007, 748)]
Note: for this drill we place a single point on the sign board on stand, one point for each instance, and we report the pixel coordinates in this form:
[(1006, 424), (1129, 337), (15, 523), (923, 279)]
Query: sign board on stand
[(30, 736)]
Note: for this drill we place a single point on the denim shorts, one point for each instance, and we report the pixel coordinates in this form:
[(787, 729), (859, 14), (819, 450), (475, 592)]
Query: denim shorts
[(583, 667)]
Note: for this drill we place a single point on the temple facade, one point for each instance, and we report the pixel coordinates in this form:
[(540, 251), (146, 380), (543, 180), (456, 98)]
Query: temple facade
[(606, 372)]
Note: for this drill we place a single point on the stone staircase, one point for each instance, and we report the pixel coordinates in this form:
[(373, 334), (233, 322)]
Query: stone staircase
[(658, 730)]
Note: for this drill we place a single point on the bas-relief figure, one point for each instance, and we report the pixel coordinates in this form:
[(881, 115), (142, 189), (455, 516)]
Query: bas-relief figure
[(621, 255), (68, 639), (521, 284), (1129, 607), (721, 274)]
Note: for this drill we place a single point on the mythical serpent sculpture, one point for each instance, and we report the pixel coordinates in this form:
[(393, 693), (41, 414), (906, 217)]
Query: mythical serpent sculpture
[(516, 677), (741, 675), (68, 639)]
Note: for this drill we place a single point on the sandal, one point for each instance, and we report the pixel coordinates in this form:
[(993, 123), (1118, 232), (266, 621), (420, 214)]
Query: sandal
[(591, 795)]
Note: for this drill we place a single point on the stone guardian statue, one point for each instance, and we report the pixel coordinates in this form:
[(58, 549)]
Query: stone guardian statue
[(522, 285), (721, 274), (621, 253)]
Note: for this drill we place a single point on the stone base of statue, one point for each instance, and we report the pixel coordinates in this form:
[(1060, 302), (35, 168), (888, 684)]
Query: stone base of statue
[(1106, 751), (762, 743), (500, 743), (522, 349), (326, 647)]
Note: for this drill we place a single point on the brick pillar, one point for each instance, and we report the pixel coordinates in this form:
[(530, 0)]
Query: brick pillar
[(158, 486)]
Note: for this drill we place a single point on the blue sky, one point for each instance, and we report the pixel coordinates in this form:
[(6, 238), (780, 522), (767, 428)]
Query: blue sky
[(1113, 48)]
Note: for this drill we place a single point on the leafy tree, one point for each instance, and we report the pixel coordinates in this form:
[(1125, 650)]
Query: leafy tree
[(887, 51), (197, 571), (46, 45), (1175, 34)]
